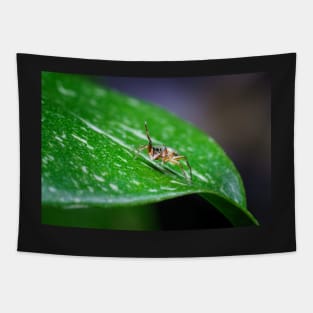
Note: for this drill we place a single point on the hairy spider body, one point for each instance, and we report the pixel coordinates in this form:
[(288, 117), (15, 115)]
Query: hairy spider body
[(165, 154)]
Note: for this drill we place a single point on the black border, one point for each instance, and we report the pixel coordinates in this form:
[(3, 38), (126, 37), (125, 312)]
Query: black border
[(279, 236)]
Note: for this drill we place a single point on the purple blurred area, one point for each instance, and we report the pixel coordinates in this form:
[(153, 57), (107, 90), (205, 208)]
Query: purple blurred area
[(234, 109)]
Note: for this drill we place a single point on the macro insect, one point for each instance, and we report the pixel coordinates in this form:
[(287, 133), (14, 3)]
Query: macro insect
[(165, 154)]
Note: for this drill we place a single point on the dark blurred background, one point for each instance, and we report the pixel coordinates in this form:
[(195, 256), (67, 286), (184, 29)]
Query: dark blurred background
[(236, 111)]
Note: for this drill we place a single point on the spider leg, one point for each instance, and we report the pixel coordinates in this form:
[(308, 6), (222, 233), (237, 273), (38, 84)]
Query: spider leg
[(182, 157), (140, 148), (164, 154), (155, 156), (182, 170), (148, 135), (175, 162)]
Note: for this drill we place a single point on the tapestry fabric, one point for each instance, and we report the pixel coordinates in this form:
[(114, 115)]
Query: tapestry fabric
[(156, 158)]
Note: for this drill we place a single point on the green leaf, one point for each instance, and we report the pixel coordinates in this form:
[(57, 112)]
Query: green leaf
[(89, 138)]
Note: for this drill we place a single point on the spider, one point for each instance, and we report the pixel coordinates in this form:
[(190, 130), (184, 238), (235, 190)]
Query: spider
[(165, 154)]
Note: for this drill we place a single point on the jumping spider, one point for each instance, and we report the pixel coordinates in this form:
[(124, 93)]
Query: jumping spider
[(164, 154)]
